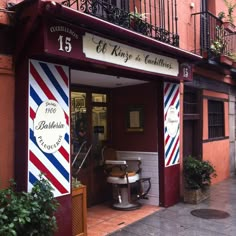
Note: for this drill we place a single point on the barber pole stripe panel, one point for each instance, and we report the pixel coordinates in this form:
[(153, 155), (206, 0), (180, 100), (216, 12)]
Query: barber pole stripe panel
[(171, 99), (49, 82)]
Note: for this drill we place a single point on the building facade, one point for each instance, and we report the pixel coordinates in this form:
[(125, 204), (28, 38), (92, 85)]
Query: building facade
[(114, 73)]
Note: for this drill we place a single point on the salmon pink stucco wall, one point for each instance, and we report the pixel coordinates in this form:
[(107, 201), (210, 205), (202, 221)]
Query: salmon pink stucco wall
[(221, 6), (186, 22), (7, 120), (217, 6), (216, 151)]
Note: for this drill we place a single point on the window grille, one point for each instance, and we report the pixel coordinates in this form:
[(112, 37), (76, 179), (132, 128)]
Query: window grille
[(216, 127), (190, 102)]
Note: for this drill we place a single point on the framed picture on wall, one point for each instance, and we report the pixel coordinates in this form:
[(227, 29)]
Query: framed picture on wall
[(79, 102), (135, 119)]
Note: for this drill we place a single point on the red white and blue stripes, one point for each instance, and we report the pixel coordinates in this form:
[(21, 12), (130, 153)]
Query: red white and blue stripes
[(171, 100), (49, 82)]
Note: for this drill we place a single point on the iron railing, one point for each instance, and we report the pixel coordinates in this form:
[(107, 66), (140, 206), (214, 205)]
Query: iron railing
[(213, 37), (154, 18)]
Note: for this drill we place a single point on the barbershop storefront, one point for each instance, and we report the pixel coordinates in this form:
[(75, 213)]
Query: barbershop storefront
[(81, 80)]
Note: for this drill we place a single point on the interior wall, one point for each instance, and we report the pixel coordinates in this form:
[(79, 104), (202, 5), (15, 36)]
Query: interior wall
[(146, 96)]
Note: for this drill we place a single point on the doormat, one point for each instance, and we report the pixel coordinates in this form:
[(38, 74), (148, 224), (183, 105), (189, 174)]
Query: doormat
[(210, 214)]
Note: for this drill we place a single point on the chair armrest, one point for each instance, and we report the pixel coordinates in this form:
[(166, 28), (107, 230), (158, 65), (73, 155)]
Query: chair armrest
[(131, 158), (115, 162)]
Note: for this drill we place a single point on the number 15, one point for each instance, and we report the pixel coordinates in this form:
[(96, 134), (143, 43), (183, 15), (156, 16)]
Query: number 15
[(65, 43)]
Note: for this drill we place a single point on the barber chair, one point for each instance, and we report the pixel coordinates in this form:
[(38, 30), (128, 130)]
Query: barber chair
[(125, 177)]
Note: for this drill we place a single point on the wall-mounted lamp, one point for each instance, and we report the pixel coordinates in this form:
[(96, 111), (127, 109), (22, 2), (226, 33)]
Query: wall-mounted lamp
[(192, 5)]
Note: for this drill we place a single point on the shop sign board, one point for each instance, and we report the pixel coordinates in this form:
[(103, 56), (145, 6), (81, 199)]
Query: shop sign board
[(70, 41), (102, 49)]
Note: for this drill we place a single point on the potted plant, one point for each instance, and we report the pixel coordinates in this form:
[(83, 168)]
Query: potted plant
[(229, 18), (219, 43), (218, 46), (197, 179), (30, 213), (138, 21)]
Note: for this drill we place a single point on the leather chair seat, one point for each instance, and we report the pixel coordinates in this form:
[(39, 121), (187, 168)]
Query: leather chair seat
[(133, 177)]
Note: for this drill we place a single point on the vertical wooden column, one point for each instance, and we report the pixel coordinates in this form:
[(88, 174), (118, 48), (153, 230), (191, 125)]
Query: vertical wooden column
[(169, 143)]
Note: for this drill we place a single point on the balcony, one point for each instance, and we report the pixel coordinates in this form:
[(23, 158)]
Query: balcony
[(155, 19), (215, 40)]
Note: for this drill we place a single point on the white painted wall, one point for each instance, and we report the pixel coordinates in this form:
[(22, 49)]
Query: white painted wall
[(149, 169)]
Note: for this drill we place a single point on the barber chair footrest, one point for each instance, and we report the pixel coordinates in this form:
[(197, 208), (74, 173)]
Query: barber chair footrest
[(127, 206)]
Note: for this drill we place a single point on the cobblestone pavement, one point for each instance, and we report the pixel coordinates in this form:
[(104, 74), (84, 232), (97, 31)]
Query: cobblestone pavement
[(178, 220)]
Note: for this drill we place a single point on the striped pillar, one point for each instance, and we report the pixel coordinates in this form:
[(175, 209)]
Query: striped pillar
[(171, 164), (48, 125), (171, 119)]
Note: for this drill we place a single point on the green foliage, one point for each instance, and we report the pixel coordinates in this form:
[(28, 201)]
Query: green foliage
[(221, 15), (219, 44), (75, 183), (136, 15), (231, 6), (31, 213), (197, 174)]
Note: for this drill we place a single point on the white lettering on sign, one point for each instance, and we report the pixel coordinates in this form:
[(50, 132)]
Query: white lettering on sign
[(61, 28), (64, 43), (185, 72), (102, 49), (49, 126)]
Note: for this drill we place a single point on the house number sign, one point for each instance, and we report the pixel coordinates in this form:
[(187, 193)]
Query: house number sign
[(62, 39)]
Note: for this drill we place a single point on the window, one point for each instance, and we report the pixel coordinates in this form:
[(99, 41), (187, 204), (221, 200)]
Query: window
[(190, 102), (216, 127)]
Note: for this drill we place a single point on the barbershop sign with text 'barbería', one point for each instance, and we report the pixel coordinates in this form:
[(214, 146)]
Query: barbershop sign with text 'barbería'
[(70, 41)]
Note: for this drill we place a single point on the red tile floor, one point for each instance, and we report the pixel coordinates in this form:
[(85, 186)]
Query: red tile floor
[(102, 219)]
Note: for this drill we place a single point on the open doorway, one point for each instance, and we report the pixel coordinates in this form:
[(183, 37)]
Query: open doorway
[(89, 132), (91, 124), (192, 123)]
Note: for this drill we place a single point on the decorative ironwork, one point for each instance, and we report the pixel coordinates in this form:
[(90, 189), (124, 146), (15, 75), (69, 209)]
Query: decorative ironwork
[(158, 21), (213, 37)]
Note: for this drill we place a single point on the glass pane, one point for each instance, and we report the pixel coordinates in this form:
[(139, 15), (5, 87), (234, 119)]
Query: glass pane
[(78, 120), (99, 125), (97, 97)]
